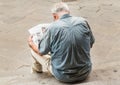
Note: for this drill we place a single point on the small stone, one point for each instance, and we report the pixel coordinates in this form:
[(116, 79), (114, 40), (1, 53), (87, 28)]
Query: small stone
[(43, 83), (114, 70), (22, 75), (68, 0)]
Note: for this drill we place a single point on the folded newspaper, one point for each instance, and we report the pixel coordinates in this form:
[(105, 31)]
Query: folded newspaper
[(38, 31)]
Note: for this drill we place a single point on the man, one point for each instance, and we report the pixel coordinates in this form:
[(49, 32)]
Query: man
[(69, 40)]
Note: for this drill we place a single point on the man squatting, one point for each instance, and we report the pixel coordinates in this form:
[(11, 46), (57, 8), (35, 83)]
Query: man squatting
[(69, 40)]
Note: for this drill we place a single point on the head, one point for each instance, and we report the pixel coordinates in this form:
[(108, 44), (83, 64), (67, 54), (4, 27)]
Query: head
[(60, 9)]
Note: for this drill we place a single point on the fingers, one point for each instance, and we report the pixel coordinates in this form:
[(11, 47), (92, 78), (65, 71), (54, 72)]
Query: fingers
[(30, 41), (30, 38)]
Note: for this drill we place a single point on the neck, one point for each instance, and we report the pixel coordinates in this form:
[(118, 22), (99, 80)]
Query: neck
[(60, 14)]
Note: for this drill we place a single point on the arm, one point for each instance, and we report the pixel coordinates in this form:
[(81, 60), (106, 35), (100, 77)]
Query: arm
[(44, 44), (92, 39), (33, 46)]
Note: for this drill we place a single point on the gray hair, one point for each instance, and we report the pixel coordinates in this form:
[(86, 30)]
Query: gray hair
[(58, 7)]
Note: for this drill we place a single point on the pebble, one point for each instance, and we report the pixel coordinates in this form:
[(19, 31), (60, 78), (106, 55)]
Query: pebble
[(114, 70)]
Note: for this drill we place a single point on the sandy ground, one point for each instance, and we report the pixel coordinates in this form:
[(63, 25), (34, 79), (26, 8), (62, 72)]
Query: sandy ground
[(17, 16)]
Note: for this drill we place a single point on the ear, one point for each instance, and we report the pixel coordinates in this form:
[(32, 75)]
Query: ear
[(55, 16)]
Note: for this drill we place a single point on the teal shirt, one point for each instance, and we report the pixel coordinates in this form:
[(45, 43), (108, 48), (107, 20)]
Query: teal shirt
[(69, 40)]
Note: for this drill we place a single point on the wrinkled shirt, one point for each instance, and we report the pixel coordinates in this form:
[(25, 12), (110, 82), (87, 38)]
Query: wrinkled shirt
[(69, 40)]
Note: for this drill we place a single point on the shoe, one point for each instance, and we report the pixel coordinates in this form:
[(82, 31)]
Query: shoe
[(36, 68)]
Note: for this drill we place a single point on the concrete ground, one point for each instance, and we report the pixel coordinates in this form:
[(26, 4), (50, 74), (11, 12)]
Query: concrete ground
[(17, 16)]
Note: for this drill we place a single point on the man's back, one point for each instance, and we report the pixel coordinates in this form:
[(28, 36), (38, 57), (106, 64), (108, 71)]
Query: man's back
[(70, 43)]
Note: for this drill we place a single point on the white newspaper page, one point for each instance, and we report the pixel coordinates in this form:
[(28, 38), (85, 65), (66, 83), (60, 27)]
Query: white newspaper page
[(38, 31)]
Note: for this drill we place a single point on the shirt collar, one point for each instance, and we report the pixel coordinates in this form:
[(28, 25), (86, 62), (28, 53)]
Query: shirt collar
[(65, 16)]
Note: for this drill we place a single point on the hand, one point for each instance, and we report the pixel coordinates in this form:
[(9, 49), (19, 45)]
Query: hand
[(30, 41), (33, 46)]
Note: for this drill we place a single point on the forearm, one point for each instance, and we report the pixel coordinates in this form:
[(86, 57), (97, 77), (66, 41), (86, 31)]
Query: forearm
[(33, 46)]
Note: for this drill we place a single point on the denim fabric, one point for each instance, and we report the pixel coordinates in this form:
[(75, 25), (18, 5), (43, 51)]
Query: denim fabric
[(69, 40)]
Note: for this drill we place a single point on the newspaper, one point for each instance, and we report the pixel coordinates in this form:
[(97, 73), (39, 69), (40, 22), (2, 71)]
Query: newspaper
[(38, 31)]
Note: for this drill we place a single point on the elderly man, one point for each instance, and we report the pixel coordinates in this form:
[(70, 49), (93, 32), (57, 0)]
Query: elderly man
[(69, 40)]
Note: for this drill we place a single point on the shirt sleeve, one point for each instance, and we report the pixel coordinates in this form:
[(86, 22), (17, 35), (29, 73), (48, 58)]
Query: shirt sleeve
[(44, 45), (92, 39)]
